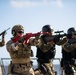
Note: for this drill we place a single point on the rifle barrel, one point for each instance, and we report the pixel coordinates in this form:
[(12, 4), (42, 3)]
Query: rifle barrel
[(4, 31)]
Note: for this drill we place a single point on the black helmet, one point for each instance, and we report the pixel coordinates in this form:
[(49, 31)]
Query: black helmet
[(47, 28), (71, 30)]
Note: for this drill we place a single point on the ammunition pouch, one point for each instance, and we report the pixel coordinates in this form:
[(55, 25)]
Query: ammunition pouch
[(12, 68), (45, 70)]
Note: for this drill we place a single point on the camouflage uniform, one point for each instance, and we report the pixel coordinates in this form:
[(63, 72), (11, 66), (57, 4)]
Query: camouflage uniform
[(20, 58), (69, 54), (69, 59), (45, 54), (46, 60)]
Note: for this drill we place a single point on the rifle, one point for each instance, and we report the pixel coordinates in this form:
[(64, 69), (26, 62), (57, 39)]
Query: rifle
[(69, 36), (4, 31), (56, 38), (26, 37)]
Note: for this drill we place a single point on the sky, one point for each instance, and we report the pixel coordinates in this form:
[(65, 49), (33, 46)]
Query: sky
[(33, 15)]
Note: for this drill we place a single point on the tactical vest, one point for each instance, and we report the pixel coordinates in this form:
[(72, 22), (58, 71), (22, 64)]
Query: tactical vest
[(66, 55), (22, 52), (72, 53), (69, 55), (68, 60), (46, 55)]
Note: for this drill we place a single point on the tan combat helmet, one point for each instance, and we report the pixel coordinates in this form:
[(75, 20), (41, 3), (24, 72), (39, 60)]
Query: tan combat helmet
[(17, 28)]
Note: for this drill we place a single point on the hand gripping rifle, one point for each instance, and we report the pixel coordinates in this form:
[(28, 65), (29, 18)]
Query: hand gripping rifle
[(54, 38), (47, 38), (26, 37), (4, 32)]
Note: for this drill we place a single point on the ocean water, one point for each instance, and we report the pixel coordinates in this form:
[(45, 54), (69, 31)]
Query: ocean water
[(5, 64)]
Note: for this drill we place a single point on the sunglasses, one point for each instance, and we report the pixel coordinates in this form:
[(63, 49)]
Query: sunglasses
[(20, 32)]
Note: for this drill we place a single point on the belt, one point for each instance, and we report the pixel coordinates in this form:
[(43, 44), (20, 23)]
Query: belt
[(21, 60)]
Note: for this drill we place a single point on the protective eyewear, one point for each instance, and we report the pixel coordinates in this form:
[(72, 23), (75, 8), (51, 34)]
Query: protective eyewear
[(20, 32)]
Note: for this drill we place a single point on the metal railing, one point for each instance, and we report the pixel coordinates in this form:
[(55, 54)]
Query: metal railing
[(6, 59)]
